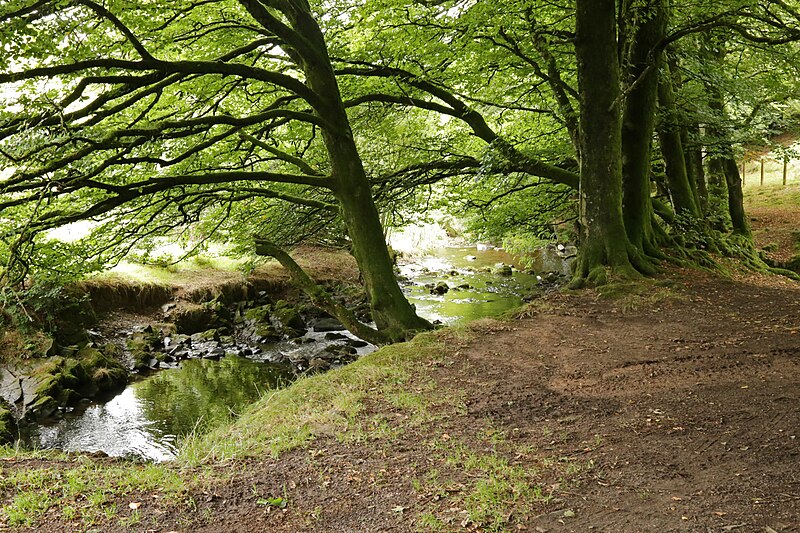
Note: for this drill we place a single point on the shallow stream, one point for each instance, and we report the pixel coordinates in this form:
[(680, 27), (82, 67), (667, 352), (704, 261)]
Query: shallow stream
[(151, 415)]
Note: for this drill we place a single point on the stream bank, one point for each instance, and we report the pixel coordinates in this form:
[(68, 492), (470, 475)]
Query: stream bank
[(222, 354)]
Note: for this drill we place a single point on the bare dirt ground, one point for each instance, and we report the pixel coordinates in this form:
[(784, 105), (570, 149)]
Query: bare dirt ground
[(687, 411)]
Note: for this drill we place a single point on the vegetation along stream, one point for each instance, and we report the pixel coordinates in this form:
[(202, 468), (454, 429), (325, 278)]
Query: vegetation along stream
[(152, 414)]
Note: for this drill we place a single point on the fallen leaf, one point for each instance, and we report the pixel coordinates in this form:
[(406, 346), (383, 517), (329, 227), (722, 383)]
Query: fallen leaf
[(677, 498), (719, 513)]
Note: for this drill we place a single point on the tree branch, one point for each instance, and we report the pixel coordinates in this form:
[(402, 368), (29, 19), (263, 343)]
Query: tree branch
[(318, 295)]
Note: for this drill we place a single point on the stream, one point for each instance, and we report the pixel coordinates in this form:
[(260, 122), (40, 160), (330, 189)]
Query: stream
[(148, 419)]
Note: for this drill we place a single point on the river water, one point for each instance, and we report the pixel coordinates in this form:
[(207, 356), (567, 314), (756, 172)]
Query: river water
[(148, 419)]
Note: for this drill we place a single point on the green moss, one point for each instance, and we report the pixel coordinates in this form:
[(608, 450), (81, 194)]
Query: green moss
[(8, 425), (258, 314), (44, 406), (50, 385), (104, 372)]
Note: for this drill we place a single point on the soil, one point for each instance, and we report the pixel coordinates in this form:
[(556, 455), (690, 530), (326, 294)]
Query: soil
[(672, 409), (689, 409)]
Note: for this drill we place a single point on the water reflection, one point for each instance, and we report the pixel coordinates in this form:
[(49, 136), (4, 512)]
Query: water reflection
[(145, 418), (482, 294), (135, 434)]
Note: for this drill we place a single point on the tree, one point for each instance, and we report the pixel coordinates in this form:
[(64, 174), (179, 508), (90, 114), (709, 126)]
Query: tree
[(592, 80), (156, 112)]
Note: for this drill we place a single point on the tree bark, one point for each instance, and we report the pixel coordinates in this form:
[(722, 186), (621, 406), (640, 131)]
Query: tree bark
[(393, 314), (604, 241), (735, 196), (693, 155), (638, 123), (669, 137)]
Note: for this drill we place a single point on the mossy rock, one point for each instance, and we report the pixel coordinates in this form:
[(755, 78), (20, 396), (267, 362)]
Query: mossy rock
[(43, 407), (501, 269), (141, 360), (266, 332), (219, 312), (110, 379), (8, 424), (51, 365), (106, 373), (258, 314), (287, 319), (69, 397), (72, 373), (50, 385), (111, 350)]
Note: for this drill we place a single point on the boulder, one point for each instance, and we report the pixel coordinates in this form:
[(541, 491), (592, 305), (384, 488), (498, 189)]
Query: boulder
[(43, 407), (357, 343), (10, 389), (502, 269), (104, 373), (440, 288), (328, 324), (287, 320), (258, 314)]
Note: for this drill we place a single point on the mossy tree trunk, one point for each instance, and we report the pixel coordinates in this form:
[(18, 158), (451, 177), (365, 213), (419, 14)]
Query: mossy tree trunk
[(735, 195), (669, 136), (394, 316), (604, 240), (693, 153), (638, 123)]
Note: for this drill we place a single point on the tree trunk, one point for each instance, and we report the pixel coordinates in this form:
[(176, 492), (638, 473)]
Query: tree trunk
[(669, 137), (693, 153), (393, 315), (638, 124), (718, 190), (604, 241), (735, 196)]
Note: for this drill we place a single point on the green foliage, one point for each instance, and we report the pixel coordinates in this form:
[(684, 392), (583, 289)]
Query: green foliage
[(526, 211), (45, 306)]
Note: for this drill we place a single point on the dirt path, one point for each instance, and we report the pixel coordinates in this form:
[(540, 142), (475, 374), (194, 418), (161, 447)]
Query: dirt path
[(680, 415)]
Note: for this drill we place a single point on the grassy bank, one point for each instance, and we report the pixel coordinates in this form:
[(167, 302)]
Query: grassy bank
[(384, 401), (43, 486)]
